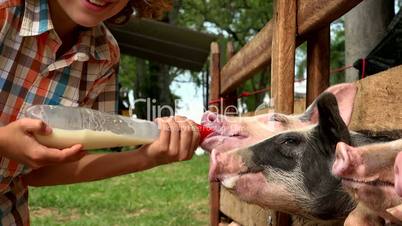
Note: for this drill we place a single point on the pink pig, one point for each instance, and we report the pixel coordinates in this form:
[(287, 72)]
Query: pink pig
[(367, 172)]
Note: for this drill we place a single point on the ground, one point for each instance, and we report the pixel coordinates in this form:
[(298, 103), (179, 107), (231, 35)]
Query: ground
[(175, 194)]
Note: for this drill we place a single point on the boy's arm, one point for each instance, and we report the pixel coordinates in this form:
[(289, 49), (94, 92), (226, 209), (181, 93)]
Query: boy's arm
[(177, 142), (91, 167)]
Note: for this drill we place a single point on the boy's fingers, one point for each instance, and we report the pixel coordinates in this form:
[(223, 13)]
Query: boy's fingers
[(71, 154), (195, 141), (164, 128), (174, 137), (35, 126), (185, 141), (45, 129), (180, 119)]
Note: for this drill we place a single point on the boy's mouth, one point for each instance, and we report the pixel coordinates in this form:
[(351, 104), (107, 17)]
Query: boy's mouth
[(98, 3)]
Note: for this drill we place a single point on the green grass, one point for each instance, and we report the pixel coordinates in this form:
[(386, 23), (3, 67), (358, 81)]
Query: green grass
[(175, 194)]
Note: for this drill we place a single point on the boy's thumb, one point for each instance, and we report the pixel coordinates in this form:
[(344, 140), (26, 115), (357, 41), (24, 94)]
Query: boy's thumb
[(36, 126)]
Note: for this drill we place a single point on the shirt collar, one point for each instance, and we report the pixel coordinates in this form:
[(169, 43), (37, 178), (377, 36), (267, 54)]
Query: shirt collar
[(37, 20), (93, 42), (99, 45)]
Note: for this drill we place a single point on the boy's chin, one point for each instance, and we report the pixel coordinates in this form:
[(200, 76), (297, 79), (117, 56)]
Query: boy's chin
[(88, 23)]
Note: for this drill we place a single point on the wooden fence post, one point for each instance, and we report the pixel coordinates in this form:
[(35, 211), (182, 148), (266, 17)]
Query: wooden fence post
[(283, 55), (230, 98), (283, 66), (318, 64), (215, 107)]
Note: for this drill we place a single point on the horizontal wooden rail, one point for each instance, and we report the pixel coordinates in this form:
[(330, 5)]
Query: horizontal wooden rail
[(312, 15)]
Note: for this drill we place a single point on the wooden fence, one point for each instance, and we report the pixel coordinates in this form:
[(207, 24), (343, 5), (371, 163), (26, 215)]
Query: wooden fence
[(294, 22)]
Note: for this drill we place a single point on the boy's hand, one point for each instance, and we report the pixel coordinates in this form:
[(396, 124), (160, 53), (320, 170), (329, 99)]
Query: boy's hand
[(178, 139), (18, 143)]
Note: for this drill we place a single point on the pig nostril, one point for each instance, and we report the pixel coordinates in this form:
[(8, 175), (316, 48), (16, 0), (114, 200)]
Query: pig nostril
[(340, 157), (397, 162), (397, 182), (211, 117), (341, 164)]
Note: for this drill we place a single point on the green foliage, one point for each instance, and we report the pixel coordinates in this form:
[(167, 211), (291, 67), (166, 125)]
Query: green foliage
[(337, 51), (258, 82), (301, 61), (175, 194), (337, 54), (127, 71), (237, 20)]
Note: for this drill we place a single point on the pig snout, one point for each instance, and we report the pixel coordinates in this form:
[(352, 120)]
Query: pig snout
[(347, 160), (369, 162), (398, 174), (209, 118), (342, 161), (226, 167), (222, 125), (229, 132)]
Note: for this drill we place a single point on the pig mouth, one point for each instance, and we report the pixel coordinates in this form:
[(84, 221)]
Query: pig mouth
[(229, 182), (227, 179), (218, 140), (349, 182)]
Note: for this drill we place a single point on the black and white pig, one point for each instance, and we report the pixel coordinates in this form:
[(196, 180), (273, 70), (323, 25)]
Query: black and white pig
[(291, 171)]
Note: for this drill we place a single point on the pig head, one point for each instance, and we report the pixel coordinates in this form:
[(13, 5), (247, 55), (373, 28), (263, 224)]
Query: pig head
[(396, 211), (291, 171), (237, 132), (367, 172)]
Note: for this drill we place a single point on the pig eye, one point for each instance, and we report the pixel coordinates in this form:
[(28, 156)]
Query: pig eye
[(290, 141)]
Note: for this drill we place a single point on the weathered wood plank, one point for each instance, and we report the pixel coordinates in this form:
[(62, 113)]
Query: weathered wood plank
[(214, 95), (318, 63), (378, 104), (283, 67), (274, 63), (215, 72), (250, 59), (257, 53), (313, 15), (214, 191), (243, 213), (283, 55), (230, 98)]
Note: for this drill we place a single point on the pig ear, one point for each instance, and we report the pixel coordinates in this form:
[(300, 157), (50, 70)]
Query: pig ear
[(345, 95), (331, 126)]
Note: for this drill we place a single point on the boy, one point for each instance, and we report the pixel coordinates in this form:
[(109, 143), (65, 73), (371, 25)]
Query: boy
[(59, 52)]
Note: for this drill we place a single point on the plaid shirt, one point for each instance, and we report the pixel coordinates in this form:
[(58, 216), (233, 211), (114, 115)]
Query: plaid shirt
[(30, 74)]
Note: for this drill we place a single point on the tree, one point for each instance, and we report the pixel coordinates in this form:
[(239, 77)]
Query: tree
[(235, 20), (337, 51)]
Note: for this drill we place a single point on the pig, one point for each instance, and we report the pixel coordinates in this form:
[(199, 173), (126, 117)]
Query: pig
[(236, 132), (397, 210), (367, 172), (290, 171), (398, 173)]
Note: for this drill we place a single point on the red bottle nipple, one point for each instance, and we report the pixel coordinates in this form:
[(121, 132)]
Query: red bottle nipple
[(204, 132)]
